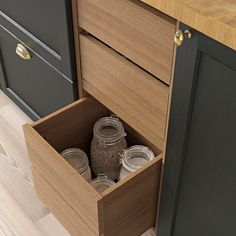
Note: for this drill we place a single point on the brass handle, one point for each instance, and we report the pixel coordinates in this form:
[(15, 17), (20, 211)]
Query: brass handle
[(22, 52), (180, 36)]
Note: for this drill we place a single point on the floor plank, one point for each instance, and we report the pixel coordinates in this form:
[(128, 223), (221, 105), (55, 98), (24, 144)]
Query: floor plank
[(50, 226), (13, 220), (15, 173), (4, 100), (150, 232), (14, 117)]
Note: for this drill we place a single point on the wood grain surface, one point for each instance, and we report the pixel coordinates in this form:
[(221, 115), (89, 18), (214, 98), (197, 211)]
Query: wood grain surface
[(135, 30), (92, 212), (215, 18), (137, 97)]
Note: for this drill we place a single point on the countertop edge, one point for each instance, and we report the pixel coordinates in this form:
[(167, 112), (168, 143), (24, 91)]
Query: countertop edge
[(205, 24)]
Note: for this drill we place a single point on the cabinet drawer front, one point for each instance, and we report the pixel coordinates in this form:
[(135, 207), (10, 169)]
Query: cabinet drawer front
[(33, 84), (137, 31), (124, 209), (41, 18), (137, 97), (45, 27)]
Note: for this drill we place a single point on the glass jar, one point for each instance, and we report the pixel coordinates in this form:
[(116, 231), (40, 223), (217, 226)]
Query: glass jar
[(134, 158), (102, 182), (79, 161), (107, 145)]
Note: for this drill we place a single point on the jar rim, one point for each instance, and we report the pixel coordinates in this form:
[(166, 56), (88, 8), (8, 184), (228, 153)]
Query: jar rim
[(102, 180), (75, 153), (136, 156), (115, 126)]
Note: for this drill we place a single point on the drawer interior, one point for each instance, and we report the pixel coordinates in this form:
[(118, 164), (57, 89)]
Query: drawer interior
[(127, 208)]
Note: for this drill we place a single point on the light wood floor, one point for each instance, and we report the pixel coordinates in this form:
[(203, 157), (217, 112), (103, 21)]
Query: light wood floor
[(21, 212)]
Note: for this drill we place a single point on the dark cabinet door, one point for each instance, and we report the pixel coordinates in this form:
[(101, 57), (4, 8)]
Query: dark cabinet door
[(47, 26), (37, 87), (199, 182)]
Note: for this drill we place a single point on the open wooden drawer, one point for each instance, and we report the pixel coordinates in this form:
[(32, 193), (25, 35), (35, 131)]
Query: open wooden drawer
[(127, 208)]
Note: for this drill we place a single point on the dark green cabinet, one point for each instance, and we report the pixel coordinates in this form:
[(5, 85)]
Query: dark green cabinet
[(47, 82), (199, 182)]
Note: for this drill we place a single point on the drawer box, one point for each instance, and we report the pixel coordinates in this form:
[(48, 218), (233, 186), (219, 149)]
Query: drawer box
[(127, 208), (130, 92), (142, 34)]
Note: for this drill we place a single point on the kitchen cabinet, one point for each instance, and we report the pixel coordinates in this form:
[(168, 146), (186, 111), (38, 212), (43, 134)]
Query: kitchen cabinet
[(199, 182), (112, 84), (47, 80)]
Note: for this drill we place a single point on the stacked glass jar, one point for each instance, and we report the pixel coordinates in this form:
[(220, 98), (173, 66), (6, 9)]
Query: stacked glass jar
[(107, 145), (78, 159)]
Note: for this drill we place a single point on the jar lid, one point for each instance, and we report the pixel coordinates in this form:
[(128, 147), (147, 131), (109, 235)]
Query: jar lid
[(109, 129), (102, 182), (77, 158), (136, 156)]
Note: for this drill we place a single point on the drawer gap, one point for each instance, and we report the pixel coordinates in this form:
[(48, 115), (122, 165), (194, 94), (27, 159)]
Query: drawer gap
[(85, 33)]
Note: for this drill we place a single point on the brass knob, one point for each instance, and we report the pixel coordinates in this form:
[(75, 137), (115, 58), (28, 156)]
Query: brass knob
[(180, 36), (22, 52)]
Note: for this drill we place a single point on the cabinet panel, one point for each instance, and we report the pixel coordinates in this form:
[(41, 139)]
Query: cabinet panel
[(208, 189), (199, 183), (32, 84), (42, 18), (45, 26)]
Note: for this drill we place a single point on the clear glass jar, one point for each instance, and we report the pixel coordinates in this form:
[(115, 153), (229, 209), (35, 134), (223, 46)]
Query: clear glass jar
[(102, 182), (107, 145), (134, 158), (78, 159)]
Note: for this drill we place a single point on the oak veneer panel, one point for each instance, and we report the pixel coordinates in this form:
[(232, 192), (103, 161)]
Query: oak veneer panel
[(139, 32), (117, 217), (63, 178), (61, 129), (137, 97), (215, 18), (59, 207), (69, 196)]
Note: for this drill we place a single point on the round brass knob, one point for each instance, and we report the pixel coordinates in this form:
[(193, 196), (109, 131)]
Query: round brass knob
[(180, 36), (22, 52)]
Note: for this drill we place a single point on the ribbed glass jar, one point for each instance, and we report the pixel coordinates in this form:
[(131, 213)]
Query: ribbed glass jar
[(107, 145), (78, 159), (134, 158), (102, 182)]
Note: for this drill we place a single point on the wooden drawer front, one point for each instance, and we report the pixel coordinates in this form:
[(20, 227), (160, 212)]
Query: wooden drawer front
[(124, 209), (137, 31), (137, 97)]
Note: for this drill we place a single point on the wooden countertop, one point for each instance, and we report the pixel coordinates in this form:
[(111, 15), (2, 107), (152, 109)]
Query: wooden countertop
[(215, 18)]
